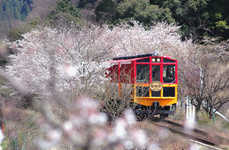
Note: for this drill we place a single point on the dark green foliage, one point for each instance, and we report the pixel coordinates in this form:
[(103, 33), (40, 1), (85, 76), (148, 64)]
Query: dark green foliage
[(106, 10), (143, 11), (140, 10), (15, 33), (84, 3), (15, 9), (198, 18), (64, 13), (66, 6), (191, 15), (219, 11)]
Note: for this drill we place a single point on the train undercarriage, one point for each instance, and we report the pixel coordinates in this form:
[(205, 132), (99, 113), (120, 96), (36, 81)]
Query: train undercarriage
[(153, 112)]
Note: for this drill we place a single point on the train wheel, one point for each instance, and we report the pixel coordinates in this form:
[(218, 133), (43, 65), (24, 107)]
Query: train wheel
[(154, 118), (140, 113)]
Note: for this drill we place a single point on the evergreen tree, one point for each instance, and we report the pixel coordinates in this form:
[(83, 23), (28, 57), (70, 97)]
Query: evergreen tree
[(199, 18), (15, 9), (140, 10), (65, 12)]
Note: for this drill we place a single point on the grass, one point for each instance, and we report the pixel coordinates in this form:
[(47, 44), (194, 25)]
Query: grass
[(203, 119), (20, 124), (225, 125), (179, 115), (218, 123), (20, 134), (4, 90)]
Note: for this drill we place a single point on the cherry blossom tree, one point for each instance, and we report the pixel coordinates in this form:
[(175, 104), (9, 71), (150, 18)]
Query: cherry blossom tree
[(208, 89), (61, 65), (79, 56), (70, 56)]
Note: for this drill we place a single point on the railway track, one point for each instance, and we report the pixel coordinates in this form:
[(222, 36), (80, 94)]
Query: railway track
[(206, 145), (198, 136)]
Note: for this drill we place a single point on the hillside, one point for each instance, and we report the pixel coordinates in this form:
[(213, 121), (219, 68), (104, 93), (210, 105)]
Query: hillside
[(41, 8), (198, 19), (14, 13)]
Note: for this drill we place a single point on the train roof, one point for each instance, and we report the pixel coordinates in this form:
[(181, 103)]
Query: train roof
[(136, 56), (127, 59)]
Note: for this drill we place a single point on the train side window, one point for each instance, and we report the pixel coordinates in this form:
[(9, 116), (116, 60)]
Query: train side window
[(169, 73), (142, 73)]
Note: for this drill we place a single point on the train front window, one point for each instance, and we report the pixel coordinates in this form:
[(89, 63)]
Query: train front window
[(155, 73), (142, 73), (169, 73)]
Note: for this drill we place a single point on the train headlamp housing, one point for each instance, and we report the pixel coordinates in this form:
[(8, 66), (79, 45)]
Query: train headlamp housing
[(156, 86)]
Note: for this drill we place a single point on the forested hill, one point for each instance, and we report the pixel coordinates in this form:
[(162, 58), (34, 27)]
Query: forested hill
[(198, 19)]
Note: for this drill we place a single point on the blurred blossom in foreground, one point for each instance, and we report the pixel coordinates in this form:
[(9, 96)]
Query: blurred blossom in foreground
[(1, 139), (189, 124), (128, 144), (87, 126), (153, 146), (68, 126), (53, 137), (130, 117), (190, 116), (163, 133), (195, 147), (140, 138), (120, 129)]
